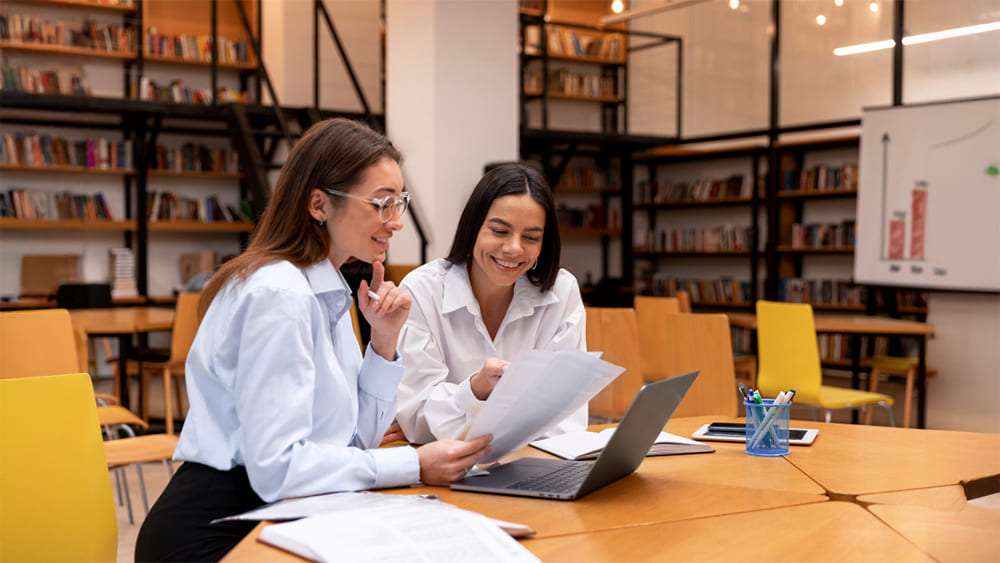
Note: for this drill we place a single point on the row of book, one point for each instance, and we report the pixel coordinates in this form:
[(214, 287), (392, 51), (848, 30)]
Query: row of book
[(168, 206), (566, 41), (111, 38), (820, 235), (52, 206), (591, 217), (64, 82), (583, 177), (822, 178), (719, 291), (820, 291), (195, 158), (837, 347), (702, 189), (194, 48), (29, 149), (723, 238), (562, 81), (177, 92)]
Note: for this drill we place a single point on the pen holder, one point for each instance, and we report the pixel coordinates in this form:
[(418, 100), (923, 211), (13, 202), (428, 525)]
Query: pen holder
[(767, 428)]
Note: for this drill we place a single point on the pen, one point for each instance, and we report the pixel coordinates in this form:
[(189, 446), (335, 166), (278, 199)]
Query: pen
[(767, 425), (374, 295)]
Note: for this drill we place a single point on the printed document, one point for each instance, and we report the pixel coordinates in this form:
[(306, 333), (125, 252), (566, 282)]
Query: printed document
[(538, 389)]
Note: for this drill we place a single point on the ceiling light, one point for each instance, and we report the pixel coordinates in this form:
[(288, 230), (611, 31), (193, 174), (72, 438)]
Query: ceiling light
[(821, 19), (838, 3), (648, 11), (873, 6), (917, 39), (617, 6), (734, 4)]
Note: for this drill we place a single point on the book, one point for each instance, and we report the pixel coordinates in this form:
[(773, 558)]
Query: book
[(588, 445)]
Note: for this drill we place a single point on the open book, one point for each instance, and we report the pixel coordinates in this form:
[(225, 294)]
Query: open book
[(588, 445)]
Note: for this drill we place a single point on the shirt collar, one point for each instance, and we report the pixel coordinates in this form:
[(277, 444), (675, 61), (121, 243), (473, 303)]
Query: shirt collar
[(329, 285), (458, 294)]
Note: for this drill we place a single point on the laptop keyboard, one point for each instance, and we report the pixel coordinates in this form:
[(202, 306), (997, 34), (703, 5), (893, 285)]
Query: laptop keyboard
[(563, 480)]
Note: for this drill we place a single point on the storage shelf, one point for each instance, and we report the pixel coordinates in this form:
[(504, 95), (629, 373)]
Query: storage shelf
[(65, 168), (817, 193), (588, 232), (61, 50), (195, 174), (694, 203), (691, 254), (591, 60), (816, 249), (577, 97), (162, 59), (200, 227), (568, 190), (87, 5), (10, 223)]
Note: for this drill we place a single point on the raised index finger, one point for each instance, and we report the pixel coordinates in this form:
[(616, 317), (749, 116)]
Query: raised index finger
[(378, 275)]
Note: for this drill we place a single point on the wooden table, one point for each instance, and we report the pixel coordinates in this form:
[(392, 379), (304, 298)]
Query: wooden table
[(123, 323), (866, 325), (702, 507)]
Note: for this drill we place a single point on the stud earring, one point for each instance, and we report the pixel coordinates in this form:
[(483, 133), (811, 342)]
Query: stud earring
[(321, 221)]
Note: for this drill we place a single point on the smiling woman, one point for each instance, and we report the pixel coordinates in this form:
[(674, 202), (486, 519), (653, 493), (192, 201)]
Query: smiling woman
[(500, 291)]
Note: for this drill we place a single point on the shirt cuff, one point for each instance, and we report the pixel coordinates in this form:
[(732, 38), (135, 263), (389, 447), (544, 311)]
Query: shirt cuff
[(466, 399), (395, 467), (381, 377)]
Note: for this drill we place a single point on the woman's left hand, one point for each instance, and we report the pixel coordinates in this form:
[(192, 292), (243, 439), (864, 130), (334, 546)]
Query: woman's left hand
[(387, 314)]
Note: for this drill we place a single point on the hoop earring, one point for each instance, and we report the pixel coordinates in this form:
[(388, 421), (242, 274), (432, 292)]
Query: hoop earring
[(535, 266)]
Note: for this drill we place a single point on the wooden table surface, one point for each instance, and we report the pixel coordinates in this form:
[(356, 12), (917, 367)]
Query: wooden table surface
[(122, 320), (848, 324), (686, 508)]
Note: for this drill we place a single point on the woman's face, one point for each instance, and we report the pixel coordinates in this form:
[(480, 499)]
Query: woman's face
[(509, 240), (355, 227)]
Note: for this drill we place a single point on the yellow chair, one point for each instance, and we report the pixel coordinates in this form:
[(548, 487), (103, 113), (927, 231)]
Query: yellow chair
[(55, 496), (893, 366), (700, 342), (789, 359), (649, 313), (614, 332)]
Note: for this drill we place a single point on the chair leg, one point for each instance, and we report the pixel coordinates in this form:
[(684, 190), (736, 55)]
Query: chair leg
[(168, 400), (144, 382), (118, 487), (829, 414), (128, 497), (180, 399), (873, 380), (892, 416), (911, 376), (142, 488)]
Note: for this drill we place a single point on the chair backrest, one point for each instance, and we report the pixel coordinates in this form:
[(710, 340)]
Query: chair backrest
[(700, 342), (38, 342), (396, 272), (787, 351), (649, 312), (684, 301), (614, 332), (55, 492), (185, 326)]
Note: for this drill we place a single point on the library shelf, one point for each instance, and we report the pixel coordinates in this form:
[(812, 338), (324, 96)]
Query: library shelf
[(817, 193), (89, 5), (66, 168), (566, 231), (833, 307), (62, 50), (585, 59), (200, 226), (196, 62), (691, 254), (195, 174), (722, 304), (10, 223), (693, 203), (536, 94), (786, 249), (577, 190)]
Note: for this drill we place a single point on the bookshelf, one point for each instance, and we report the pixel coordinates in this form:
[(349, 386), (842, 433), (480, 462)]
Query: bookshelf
[(57, 92)]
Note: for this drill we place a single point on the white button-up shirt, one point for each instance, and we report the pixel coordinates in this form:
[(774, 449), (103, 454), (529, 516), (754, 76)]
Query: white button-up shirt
[(445, 342), (277, 383)]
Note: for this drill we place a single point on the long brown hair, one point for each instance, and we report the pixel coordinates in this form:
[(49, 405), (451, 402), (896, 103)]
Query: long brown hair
[(334, 153)]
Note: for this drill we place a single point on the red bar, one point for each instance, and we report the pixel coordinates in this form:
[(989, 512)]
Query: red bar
[(897, 238), (918, 223)]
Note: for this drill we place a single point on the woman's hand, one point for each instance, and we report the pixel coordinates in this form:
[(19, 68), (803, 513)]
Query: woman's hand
[(386, 314), (482, 383), (393, 434), (444, 461)]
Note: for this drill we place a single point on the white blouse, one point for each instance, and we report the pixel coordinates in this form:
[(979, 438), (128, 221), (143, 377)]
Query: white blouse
[(445, 342), (277, 383)]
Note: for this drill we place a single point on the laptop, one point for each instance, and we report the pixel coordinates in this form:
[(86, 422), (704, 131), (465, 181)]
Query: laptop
[(569, 480)]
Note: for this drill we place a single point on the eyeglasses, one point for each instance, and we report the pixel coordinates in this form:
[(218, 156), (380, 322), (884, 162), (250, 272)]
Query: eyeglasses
[(385, 205)]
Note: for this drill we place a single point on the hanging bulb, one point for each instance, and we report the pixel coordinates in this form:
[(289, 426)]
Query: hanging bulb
[(821, 19), (873, 7), (838, 3), (617, 6), (734, 4)]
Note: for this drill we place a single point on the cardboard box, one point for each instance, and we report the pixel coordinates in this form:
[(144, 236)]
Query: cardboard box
[(41, 275)]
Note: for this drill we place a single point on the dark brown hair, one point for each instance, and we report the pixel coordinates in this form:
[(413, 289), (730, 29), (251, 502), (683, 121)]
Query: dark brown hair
[(510, 178), (335, 154)]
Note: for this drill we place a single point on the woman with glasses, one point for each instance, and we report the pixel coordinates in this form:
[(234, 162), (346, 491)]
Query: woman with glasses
[(500, 291), (282, 401)]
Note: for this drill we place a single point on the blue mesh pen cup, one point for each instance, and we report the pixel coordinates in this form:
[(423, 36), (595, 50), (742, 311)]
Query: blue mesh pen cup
[(767, 428)]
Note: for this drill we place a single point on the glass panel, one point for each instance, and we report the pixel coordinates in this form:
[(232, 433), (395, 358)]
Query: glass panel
[(959, 67), (725, 60), (817, 85)]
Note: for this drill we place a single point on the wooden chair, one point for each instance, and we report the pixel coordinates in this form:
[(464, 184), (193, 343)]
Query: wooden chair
[(789, 359), (892, 366), (649, 312), (684, 301), (700, 342), (614, 332), (171, 364), (396, 272), (55, 493), (42, 343)]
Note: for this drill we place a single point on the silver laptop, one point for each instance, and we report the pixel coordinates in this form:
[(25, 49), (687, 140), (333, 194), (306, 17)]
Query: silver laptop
[(569, 480)]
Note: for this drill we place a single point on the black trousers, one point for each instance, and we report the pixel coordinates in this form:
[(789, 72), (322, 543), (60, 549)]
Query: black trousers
[(177, 527)]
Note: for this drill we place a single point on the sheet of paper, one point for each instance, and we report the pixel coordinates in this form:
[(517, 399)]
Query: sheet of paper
[(404, 532), (538, 389), (293, 509)]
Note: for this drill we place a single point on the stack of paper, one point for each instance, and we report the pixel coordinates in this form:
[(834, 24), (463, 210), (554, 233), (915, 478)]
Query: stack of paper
[(588, 445)]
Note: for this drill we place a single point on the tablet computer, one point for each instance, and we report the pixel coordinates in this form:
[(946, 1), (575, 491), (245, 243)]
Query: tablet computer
[(736, 432)]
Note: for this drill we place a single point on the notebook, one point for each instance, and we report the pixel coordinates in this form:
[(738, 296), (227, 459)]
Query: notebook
[(569, 480)]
